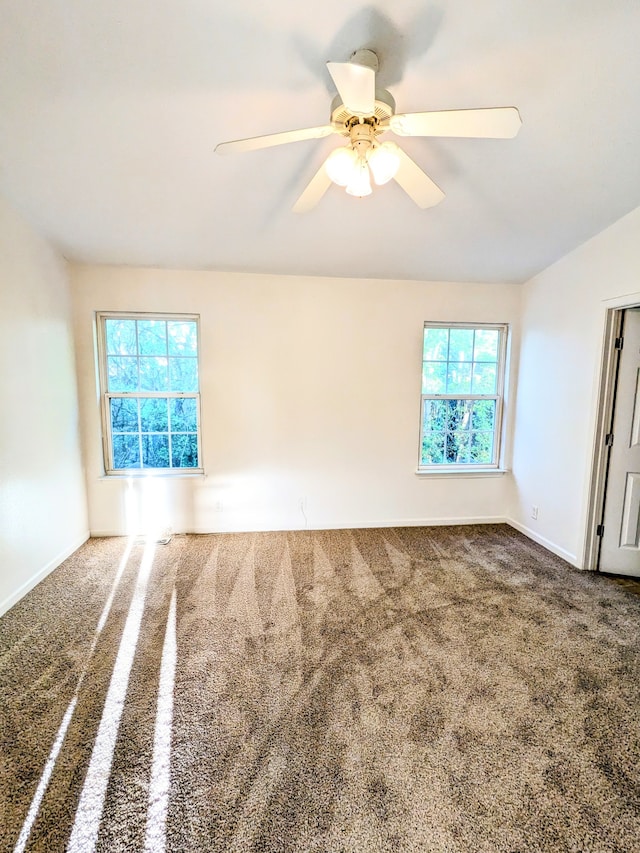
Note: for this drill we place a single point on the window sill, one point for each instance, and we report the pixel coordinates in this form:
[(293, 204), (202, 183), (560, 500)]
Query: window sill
[(460, 473), (155, 475)]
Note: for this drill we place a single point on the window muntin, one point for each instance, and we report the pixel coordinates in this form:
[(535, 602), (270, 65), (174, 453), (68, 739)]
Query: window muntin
[(462, 388), (151, 401)]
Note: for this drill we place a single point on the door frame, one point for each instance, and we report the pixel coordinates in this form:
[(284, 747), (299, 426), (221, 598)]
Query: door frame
[(604, 418)]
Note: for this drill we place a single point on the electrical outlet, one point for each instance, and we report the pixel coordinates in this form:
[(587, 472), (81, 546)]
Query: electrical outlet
[(219, 506), (534, 512), (303, 503)]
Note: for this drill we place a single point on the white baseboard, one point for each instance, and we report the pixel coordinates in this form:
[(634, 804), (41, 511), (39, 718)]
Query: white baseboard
[(19, 593), (341, 525), (106, 534), (408, 522), (546, 543)]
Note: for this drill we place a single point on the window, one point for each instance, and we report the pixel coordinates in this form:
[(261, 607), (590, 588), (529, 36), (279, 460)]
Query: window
[(150, 393), (462, 388)]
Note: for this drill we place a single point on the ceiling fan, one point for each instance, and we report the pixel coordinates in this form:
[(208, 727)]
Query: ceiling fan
[(362, 113)]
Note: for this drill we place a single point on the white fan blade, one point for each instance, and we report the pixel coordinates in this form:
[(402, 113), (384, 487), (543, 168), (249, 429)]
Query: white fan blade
[(416, 184), (256, 142), (356, 85), (491, 123), (313, 192)]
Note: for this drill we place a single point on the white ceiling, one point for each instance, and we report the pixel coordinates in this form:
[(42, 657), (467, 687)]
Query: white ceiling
[(110, 111)]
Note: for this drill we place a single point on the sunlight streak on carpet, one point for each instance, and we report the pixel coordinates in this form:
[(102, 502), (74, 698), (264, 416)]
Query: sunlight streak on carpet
[(84, 835), (155, 837), (43, 784)]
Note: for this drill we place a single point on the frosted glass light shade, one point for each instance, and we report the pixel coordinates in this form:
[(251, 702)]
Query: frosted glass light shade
[(384, 162), (360, 183), (340, 165)]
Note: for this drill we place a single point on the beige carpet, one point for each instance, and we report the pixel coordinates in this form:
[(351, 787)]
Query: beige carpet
[(409, 689)]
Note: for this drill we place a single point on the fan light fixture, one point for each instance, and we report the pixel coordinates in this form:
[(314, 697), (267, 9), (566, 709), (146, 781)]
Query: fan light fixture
[(341, 164), (359, 182), (384, 162), (350, 168)]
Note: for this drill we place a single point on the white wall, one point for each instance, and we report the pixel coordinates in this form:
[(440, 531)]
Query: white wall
[(42, 499), (563, 323), (310, 389)]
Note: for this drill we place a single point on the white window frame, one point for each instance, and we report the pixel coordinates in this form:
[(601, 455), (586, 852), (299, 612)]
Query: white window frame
[(106, 395), (498, 428)]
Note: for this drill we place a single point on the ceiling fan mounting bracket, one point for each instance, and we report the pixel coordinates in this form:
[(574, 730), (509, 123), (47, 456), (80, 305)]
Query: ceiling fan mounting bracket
[(365, 57)]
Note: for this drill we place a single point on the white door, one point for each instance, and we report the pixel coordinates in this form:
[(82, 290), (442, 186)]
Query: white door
[(620, 544)]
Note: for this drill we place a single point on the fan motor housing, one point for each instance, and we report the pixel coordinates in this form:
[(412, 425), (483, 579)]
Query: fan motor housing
[(385, 107)]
